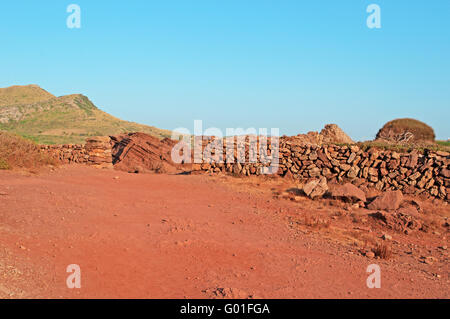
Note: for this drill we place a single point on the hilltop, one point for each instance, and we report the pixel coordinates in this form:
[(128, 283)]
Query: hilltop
[(26, 94), (36, 114)]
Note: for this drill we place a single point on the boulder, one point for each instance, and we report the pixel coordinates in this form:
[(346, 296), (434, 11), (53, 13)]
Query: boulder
[(316, 187), (389, 200), (347, 192)]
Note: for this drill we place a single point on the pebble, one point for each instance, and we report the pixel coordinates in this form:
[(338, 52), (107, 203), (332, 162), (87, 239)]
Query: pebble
[(370, 254)]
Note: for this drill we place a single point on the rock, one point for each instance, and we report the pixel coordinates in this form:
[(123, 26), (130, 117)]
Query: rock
[(398, 221), (353, 172), (351, 158), (409, 211), (347, 191), (427, 260), (442, 153), (140, 152), (415, 176), (237, 168), (370, 254), (373, 171), (313, 156), (228, 293), (395, 155), (389, 200), (386, 237), (445, 172), (314, 172), (412, 159), (316, 187)]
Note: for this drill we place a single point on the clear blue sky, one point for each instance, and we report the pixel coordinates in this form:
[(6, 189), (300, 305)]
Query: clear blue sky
[(295, 65)]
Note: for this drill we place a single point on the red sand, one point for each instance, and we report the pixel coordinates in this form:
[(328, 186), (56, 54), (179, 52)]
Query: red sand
[(179, 236)]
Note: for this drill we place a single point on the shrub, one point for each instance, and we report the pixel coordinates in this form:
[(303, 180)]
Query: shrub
[(383, 250), (397, 131)]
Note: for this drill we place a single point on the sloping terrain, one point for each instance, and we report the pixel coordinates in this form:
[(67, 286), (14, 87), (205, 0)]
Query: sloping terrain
[(36, 114), (17, 152)]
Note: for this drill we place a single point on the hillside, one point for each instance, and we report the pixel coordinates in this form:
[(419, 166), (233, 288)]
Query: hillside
[(34, 113), (17, 152)]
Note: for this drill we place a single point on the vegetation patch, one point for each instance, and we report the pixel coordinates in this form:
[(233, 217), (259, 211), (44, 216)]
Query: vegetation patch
[(69, 119), (406, 130), (18, 152)]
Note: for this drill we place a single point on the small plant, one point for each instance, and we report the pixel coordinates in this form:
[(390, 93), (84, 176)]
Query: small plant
[(3, 164), (383, 250), (316, 222)]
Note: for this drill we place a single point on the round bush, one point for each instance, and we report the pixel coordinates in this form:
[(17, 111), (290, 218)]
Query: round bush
[(406, 130)]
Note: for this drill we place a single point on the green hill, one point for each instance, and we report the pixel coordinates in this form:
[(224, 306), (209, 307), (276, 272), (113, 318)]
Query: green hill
[(23, 95), (34, 113)]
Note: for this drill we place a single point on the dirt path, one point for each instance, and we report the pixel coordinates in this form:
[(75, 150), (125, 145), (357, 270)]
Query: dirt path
[(167, 236)]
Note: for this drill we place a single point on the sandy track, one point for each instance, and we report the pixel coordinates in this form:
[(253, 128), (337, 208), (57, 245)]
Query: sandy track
[(173, 236)]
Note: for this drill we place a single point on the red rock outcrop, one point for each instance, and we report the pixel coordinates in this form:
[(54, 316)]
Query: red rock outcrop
[(139, 152)]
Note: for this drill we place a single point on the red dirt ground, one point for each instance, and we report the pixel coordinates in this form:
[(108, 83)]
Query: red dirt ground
[(187, 236)]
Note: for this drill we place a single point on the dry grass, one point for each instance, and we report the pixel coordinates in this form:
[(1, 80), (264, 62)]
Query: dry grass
[(403, 148), (383, 250), (316, 221), (17, 152)]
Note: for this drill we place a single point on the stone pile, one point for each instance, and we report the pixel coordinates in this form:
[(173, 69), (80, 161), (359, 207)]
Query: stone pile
[(98, 149)]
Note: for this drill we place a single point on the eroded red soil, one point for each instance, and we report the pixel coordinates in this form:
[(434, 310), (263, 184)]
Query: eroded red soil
[(189, 236)]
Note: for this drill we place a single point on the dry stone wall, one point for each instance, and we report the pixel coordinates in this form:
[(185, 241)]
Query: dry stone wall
[(412, 173), (96, 152), (68, 153)]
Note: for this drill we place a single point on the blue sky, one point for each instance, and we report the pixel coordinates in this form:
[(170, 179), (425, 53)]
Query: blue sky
[(295, 65)]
